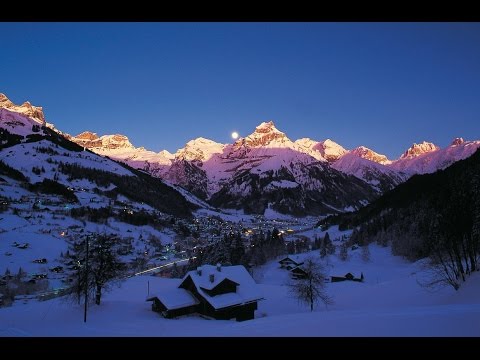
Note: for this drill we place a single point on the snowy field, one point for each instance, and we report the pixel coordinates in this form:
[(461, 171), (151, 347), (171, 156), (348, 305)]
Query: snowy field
[(389, 303)]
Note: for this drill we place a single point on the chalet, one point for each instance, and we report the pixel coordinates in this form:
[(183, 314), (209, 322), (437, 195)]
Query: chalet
[(220, 292), (288, 263), (298, 273)]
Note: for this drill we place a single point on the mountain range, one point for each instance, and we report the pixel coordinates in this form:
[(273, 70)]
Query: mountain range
[(264, 170)]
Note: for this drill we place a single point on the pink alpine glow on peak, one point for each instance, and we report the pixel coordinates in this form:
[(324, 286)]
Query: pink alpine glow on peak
[(419, 149), (431, 161), (266, 126), (457, 141), (91, 140), (87, 135), (330, 150), (266, 134), (199, 149), (322, 150), (366, 153), (34, 113)]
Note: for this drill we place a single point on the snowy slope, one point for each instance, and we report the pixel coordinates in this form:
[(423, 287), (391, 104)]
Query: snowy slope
[(379, 176), (389, 303), (44, 221), (24, 157), (16, 123)]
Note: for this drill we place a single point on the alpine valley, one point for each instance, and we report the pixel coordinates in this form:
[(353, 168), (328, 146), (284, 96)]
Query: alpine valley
[(257, 217)]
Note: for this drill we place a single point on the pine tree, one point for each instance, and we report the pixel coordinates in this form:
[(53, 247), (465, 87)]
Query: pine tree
[(175, 272), (330, 248), (365, 253), (343, 252), (21, 274), (97, 268), (237, 250), (323, 249)]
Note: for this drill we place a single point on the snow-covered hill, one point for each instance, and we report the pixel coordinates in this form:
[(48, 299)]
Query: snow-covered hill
[(389, 303)]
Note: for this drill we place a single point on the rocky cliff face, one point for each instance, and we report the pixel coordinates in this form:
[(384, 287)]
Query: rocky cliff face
[(419, 149), (33, 112)]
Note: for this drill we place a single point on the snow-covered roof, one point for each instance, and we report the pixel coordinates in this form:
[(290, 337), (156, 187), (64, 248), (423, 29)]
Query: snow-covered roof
[(288, 259), (247, 290), (174, 297)]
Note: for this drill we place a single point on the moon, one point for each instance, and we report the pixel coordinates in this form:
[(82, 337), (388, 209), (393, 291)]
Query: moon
[(234, 135)]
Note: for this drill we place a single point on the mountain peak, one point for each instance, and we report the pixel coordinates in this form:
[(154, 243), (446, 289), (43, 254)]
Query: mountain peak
[(419, 149), (87, 135), (91, 140), (5, 101), (330, 150), (267, 134), (457, 141), (329, 142), (33, 112), (167, 154), (366, 153), (199, 149), (116, 141), (327, 149), (202, 140), (266, 126)]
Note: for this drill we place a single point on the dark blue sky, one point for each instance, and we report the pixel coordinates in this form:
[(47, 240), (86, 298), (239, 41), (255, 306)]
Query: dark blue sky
[(384, 86)]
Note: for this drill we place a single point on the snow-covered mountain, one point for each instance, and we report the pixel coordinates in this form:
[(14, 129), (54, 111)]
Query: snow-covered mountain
[(265, 168), (268, 170), (106, 142), (427, 158), (205, 167), (39, 152), (368, 154), (292, 177), (22, 119), (380, 177), (35, 113), (419, 149), (327, 149)]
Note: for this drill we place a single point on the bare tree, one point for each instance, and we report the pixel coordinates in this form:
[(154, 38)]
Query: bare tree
[(311, 289)]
